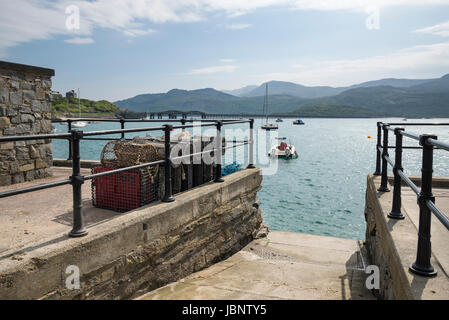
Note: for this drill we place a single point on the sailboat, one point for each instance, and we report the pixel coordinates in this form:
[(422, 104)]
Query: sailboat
[(79, 124), (267, 126)]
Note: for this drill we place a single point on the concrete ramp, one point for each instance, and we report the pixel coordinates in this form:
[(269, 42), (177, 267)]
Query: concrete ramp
[(283, 265)]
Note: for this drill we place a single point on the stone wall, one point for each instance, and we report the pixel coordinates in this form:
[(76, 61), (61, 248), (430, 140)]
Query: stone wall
[(24, 110), (143, 249)]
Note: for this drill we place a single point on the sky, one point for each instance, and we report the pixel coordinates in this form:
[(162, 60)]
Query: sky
[(116, 49)]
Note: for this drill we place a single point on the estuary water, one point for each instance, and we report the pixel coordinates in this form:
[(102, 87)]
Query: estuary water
[(323, 191)]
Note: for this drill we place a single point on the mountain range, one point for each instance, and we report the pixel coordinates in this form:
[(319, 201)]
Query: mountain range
[(385, 97)]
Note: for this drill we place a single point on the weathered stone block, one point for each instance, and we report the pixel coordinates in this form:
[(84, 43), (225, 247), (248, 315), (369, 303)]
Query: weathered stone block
[(27, 118), (16, 97), (24, 109), (18, 178), (4, 95), (41, 164), (4, 122), (26, 167), (22, 153), (15, 119), (36, 106), (28, 95), (33, 152), (9, 131), (23, 128), (3, 111), (6, 145), (26, 85), (5, 180), (12, 111), (14, 84), (46, 83)]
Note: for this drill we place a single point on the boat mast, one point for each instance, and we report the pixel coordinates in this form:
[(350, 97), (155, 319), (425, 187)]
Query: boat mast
[(79, 105), (265, 103)]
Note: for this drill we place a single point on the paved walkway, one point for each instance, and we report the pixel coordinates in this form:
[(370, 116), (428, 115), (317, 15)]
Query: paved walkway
[(37, 218), (282, 266), (439, 233)]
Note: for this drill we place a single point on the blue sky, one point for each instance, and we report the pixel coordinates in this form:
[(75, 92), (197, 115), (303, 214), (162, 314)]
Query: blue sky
[(124, 48)]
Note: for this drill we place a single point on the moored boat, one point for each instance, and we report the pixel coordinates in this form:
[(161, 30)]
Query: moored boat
[(283, 150), (299, 121)]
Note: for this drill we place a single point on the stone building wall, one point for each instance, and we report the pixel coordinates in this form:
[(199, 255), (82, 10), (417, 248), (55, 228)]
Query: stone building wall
[(25, 108)]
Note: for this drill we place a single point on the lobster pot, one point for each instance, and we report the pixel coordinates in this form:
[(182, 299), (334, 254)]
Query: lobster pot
[(124, 191)]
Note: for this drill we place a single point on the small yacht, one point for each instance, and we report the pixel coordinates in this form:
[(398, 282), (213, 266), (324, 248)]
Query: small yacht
[(284, 150), (79, 124), (279, 120), (267, 126), (299, 121)]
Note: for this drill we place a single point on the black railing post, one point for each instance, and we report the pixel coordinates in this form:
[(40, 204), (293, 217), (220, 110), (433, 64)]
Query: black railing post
[(234, 150), (69, 129), (77, 181), (218, 153), (384, 179), (122, 126), (379, 138), (183, 123), (251, 144), (168, 197), (422, 265), (397, 203)]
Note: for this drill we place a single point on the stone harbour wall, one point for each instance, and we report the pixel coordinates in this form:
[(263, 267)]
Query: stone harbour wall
[(143, 249), (25, 109)]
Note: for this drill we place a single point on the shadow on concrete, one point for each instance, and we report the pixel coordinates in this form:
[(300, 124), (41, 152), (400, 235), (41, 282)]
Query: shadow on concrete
[(92, 215), (418, 285), (16, 254), (355, 277)]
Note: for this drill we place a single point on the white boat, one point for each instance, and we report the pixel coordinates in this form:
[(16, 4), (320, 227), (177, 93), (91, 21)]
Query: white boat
[(267, 126), (79, 124), (283, 150)]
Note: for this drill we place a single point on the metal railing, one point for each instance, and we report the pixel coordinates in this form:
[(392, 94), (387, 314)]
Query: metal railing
[(426, 201), (77, 179)]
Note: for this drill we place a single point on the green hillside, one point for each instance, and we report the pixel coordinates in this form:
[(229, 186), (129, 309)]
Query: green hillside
[(328, 111), (64, 105)]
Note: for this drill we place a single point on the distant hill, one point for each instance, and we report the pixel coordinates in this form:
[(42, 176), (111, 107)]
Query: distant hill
[(240, 92), (337, 112), (407, 98), (436, 85), (401, 102), (392, 82), (292, 89)]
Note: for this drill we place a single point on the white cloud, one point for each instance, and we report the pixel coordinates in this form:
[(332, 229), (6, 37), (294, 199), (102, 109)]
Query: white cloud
[(27, 20), (227, 60), (237, 26), (215, 69), (137, 32), (414, 62), (78, 40), (441, 29)]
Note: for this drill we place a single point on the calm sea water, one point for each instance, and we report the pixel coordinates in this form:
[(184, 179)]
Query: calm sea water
[(323, 191)]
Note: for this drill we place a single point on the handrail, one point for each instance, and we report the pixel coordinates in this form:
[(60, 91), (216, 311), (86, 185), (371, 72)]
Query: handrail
[(428, 143), (77, 179)]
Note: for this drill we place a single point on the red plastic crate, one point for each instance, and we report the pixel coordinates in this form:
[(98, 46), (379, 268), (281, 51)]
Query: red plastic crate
[(122, 191)]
